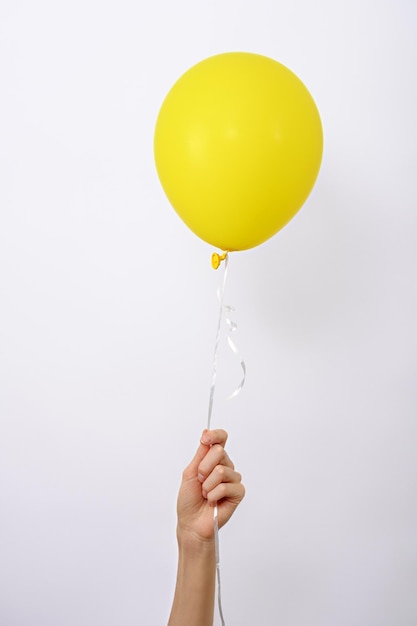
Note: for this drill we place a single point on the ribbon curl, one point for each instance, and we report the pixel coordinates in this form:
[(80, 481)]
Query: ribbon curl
[(231, 326)]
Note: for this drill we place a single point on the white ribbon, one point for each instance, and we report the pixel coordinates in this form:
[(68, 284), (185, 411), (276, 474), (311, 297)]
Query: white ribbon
[(231, 326)]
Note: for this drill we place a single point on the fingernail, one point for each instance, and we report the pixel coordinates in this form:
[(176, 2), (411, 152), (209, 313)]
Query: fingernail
[(200, 478), (205, 438)]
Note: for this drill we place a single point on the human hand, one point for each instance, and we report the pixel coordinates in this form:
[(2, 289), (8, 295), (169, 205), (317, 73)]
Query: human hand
[(208, 480)]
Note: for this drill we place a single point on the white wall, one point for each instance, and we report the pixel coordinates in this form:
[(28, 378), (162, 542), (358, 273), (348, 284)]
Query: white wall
[(108, 314)]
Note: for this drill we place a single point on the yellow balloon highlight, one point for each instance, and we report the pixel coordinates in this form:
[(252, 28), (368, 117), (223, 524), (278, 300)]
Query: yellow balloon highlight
[(238, 145)]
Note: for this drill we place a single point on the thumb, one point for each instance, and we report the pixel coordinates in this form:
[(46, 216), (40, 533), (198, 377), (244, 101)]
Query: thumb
[(191, 469)]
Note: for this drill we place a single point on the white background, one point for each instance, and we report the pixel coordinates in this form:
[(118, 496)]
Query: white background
[(108, 313)]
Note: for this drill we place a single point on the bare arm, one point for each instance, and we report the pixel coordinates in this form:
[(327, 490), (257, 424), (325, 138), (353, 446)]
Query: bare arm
[(210, 478)]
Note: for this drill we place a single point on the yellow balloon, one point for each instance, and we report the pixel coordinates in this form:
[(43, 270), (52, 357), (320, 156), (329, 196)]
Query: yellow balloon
[(238, 145)]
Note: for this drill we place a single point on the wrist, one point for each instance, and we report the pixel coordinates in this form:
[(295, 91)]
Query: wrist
[(196, 575), (191, 542)]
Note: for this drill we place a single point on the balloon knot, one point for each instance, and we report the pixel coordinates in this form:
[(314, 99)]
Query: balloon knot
[(216, 259)]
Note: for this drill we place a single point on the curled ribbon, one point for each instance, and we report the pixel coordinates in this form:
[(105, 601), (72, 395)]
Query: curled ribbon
[(231, 326)]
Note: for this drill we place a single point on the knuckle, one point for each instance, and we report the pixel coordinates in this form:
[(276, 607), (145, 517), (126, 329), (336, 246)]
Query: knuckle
[(222, 488), (221, 471), (186, 474), (224, 436)]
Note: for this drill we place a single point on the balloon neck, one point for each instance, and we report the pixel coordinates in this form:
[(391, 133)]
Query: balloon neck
[(216, 259)]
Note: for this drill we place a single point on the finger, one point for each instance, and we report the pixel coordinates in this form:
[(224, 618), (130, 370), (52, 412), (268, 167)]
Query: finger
[(231, 492), (220, 474), (215, 456), (208, 438), (192, 468), (212, 437)]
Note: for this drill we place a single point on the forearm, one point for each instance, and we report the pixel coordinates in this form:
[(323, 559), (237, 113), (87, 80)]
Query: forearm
[(194, 592)]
